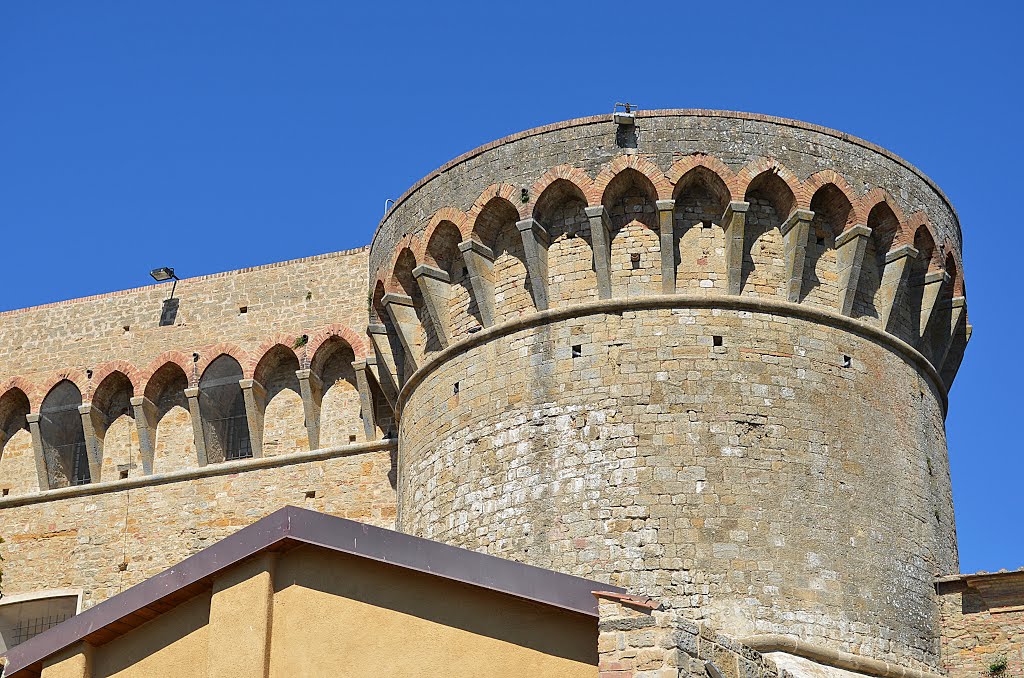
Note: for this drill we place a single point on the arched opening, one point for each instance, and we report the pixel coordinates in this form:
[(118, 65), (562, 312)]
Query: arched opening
[(495, 227), (699, 241), (222, 408), (175, 443), (635, 247), (340, 421), (63, 436), (910, 329), (763, 272), (443, 252), (832, 212), (884, 226), (114, 425), (561, 209), (17, 458), (284, 420), (403, 282)]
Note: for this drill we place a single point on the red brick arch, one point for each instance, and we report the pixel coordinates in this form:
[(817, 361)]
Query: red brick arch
[(344, 332), (76, 377), (507, 193), (823, 178), (680, 168), (208, 354), (285, 339), (573, 175), (662, 187), (25, 386), (178, 358), (456, 217), (758, 167), (106, 369), (877, 195)]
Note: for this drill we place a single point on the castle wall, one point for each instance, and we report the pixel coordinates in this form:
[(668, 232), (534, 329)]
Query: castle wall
[(81, 538), (982, 624)]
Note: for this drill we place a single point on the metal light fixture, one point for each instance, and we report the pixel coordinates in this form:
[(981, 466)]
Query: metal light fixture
[(170, 309), (162, 274)]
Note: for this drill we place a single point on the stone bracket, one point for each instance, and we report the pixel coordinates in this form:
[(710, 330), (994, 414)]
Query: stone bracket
[(958, 313), (666, 228), (192, 394), (42, 475), (435, 286), (734, 223), (894, 280), (796, 229), (387, 368), (535, 246), (403, 316), (311, 391), (933, 284), (850, 247), (92, 425), (479, 262), (366, 409), (600, 234), (145, 412), (255, 398)]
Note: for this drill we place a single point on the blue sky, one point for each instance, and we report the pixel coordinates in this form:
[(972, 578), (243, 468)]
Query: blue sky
[(216, 135)]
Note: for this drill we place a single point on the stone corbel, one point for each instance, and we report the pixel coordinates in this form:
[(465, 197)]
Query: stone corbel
[(255, 397), (435, 286), (894, 279), (958, 314), (955, 354), (390, 394), (600, 235), (192, 395), (145, 423), (795, 231), (933, 283), (366, 409), (480, 266), (311, 391), (734, 222), (386, 368), (666, 229), (42, 475), (535, 246), (850, 247), (93, 424), (405, 321)]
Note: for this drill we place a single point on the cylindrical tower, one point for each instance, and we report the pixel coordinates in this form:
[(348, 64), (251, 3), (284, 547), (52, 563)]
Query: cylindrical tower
[(702, 355)]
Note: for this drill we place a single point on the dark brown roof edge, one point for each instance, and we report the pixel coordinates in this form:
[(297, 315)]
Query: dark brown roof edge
[(338, 534)]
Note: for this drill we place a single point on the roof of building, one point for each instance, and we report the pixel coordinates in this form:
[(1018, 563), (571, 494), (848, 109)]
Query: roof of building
[(288, 528)]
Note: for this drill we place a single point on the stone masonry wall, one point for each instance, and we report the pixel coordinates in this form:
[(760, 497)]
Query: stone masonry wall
[(758, 484), (116, 535), (981, 631)]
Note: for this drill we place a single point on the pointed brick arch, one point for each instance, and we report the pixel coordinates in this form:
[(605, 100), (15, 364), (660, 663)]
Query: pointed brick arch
[(357, 343), (506, 192), (872, 198), (106, 369), (177, 357), (457, 218), (208, 354), (285, 339), (908, 232), (573, 175), (25, 386), (680, 168), (958, 278), (76, 377), (761, 165), (662, 187), (819, 180)]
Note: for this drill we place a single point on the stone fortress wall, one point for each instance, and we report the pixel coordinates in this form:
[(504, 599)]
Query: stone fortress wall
[(701, 355), (128, 445)]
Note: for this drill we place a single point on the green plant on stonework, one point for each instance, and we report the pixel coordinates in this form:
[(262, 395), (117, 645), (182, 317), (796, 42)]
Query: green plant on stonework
[(997, 666), (300, 341), (309, 295)]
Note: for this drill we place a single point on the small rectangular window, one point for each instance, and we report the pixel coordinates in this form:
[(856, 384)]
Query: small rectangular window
[(455, 389), (577, 351), (351, 439), (847, 362), (716, 340)]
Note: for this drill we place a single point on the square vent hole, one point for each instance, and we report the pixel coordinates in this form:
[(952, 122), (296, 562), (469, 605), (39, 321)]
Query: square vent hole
[(577, 351), (716, 340), (847, 361)]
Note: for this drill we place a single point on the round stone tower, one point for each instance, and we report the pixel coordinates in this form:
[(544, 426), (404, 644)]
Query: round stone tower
[(698, 354)]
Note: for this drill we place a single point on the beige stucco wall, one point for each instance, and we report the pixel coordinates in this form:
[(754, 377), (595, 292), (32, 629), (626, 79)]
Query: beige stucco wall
[(336, 615)]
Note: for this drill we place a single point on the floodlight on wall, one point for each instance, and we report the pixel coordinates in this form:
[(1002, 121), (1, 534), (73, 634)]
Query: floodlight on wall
[(624, 117), (170, 309)]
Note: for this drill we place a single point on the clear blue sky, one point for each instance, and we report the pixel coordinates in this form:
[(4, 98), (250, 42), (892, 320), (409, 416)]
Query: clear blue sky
[(216, 135)]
